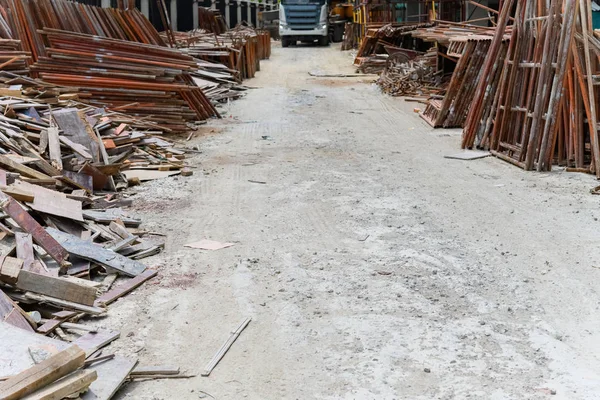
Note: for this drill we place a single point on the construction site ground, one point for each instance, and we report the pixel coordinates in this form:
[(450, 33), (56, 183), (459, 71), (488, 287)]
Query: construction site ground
[(372, 267)]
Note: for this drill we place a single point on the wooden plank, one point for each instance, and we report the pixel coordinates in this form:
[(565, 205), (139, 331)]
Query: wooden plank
[(52, 202), (19, 194), (89, 251), (31, 226), (49, 326), (74, 128), (125, 288), (148, 175), (10, 314), (56, 287), (22, 169), (64, 303), (111, 215), (75, 383), (24, 244), (155, 370), (42, 374), (111, 375), (54, 148), (92, 342), (10, 269)]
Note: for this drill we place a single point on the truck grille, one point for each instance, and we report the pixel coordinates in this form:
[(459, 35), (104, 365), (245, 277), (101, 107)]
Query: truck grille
[(302, 16)]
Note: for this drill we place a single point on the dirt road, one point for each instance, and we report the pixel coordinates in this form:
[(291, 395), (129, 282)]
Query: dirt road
[(372, 267)]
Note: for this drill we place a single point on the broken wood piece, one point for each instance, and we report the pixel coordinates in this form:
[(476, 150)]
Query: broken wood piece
[(125, 288), (49, 326), (72, 384), (144, 175), (91, 361), (151, 377), (111, 376), (54, 148), (24, 244), (206, 244), (78, 327), (19, 194), (12, 314), (42, 374), (10, 270), (225, 347), (92, 342), (63, 303), (56, 287), (22, 169), (155, 370), (187, 172), (52, 202), (119, 229), (92, 252)]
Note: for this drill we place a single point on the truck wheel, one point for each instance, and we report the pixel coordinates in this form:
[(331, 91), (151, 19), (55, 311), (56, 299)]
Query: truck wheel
[(324, 41), (285, 42)]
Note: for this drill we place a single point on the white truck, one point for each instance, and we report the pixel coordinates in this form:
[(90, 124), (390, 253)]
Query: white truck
[(303, 20)]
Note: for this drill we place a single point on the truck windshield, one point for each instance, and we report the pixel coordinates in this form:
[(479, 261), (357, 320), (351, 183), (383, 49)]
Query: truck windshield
[(320, 2)]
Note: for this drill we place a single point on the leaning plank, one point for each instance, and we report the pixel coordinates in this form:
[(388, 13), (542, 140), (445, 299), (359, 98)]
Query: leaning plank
[(125, 288), (25, 249), (56, 287), (111, 375), (30, 225), (10, 314), (90, 251), (42, 374), (94, 341), (54, 148), (75, 383), (22, 169)]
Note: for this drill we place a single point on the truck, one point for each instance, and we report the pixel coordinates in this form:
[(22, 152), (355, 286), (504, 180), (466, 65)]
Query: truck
[(303, 20)]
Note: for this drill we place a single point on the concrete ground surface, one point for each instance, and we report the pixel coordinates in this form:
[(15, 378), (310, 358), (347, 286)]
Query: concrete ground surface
[(372, 267)]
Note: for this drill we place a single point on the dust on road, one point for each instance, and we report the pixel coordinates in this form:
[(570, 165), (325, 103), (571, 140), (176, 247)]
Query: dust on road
[(372, 267)]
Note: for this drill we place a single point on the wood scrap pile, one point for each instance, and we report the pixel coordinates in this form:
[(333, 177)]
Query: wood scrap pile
[(66, 240), (388, 35), (543, 109), (416, 77)]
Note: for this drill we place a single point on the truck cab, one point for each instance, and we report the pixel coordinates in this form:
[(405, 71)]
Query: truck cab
[(303, 20)]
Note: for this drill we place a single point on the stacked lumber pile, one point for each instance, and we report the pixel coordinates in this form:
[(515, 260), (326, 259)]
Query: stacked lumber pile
[(416, 77), (240, 50), (543, 109), (143, 80)]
